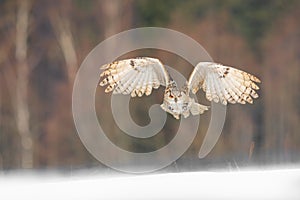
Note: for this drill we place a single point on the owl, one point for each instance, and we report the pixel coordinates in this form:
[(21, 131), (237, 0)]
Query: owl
[(139, 76)]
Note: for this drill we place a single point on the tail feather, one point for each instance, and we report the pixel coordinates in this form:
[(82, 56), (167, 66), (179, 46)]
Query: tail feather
[(197, 109)]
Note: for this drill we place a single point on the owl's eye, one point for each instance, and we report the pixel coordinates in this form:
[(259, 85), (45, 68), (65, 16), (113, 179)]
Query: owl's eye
[(171, 96)]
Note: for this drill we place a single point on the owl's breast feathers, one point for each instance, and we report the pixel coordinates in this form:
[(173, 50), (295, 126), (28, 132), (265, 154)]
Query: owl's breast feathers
[(178, 102)]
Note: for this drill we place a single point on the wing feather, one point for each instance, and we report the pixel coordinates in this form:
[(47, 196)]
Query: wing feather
[(126, 87), (149, 83), (144, 84), (209, 89), (135, 85), (135, 76), (122, 83), (221, 91), (216, 93), (139, 85), (223, 83), (229, 88)]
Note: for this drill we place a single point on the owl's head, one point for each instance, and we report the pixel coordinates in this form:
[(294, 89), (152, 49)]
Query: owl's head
[(175, 103)]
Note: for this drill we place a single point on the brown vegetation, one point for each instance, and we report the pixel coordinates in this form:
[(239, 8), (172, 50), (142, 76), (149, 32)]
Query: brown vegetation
[(43, 43)]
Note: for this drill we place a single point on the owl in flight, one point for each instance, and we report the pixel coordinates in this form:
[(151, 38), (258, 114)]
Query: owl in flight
[(139, 76)]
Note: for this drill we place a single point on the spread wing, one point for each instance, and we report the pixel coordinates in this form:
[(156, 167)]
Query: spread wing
[(135, 76), (223, 83)]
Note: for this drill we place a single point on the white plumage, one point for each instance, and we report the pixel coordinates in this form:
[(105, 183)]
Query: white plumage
[(138, 76)]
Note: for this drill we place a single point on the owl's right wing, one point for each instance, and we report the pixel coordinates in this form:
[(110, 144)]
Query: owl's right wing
[(136, 76), (223, 83)]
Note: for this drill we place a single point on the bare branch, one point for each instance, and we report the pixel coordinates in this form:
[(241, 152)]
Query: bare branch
[(63, 33)]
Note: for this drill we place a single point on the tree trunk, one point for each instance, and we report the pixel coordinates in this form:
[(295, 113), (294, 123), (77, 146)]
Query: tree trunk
[(21, 107)]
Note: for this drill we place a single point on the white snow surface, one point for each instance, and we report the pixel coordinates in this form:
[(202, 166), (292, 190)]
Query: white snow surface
[(250, 184)]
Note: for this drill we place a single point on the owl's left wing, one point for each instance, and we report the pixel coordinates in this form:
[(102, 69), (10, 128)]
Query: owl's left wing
[(223, 83), (136, 76)]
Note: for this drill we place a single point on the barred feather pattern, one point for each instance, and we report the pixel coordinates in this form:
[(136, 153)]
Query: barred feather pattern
[(223, 83), (136, 76)]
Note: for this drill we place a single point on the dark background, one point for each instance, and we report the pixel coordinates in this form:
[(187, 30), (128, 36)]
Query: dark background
[(43, 43)]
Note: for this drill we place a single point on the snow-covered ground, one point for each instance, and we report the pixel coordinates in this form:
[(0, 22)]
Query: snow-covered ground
[(251, 184)]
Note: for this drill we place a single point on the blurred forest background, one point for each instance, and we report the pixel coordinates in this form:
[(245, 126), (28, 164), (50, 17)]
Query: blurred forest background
[(43, 43)]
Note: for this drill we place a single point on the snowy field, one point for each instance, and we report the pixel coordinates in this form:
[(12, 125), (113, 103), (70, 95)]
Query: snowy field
[(250, 184)]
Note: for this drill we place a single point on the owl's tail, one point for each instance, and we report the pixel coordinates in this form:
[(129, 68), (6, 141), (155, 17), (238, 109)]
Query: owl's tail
[(197, 109)]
